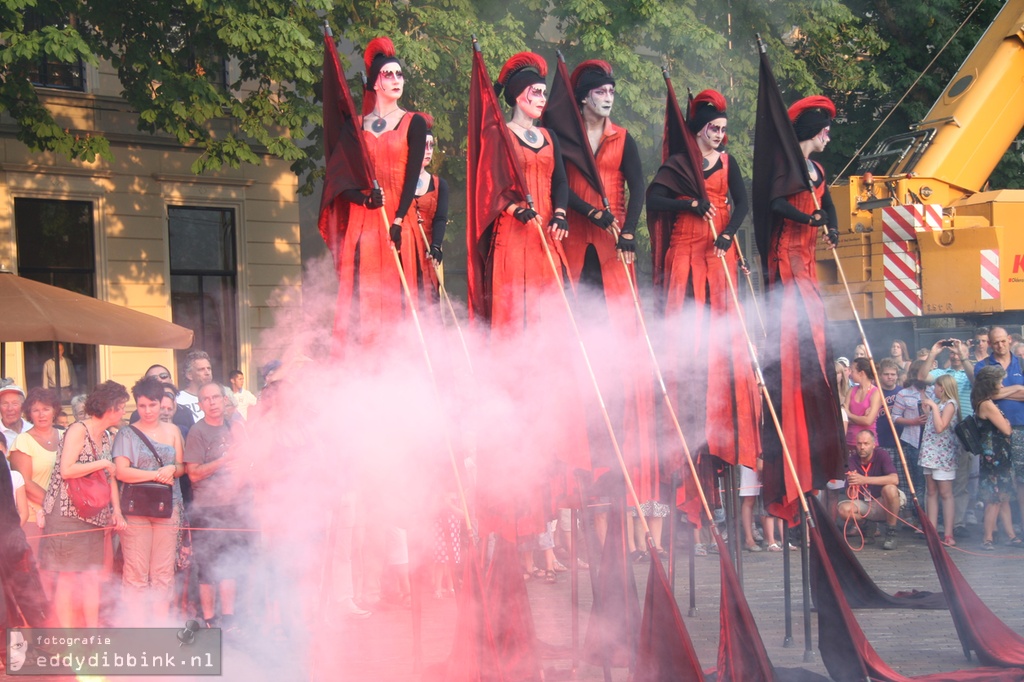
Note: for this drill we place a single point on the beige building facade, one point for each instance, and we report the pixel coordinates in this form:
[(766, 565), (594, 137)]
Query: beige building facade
[(218, 253)]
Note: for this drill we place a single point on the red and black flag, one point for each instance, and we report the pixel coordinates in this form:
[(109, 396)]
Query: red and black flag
[(680, 172), (780, 169), (474, 655), (562, 115), (741, 653), (494, 179), (508, 610), (343, 149), (666, 651)]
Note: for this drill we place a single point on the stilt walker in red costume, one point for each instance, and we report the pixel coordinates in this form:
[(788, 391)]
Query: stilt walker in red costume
[(518, 273), (706, 337), (369, 290), (513, 286), (799, 370), (430, 212), (600, 241)]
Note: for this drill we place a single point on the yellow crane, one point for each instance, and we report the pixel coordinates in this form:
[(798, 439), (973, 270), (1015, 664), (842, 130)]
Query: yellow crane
[(919, 237)]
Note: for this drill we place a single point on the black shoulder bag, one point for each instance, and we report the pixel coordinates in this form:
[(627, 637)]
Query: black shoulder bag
[(968, 431), (149, 498)]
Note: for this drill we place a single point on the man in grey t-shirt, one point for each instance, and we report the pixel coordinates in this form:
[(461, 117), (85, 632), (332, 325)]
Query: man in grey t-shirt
[(219, 500)]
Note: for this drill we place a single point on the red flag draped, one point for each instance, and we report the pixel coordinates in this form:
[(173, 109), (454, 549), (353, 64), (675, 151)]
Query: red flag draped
[(666, 651), (680, 172), (979, 629), (562, 115), (845, 650), (741, 653), (474, 657), (509, 612), (343, 149), (494, 180), (615, 615)]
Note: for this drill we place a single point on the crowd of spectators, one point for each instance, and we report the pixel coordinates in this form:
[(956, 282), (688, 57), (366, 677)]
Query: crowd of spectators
[(927, 397), (98, 510)]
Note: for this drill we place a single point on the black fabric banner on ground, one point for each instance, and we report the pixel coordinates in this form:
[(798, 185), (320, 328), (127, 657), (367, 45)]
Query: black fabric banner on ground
[(615, 616), (845, 650), (980, 630), (860, 590)]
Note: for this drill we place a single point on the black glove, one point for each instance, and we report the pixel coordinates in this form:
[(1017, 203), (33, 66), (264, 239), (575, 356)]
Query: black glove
[(606, 219), (833, 237), (702, 207), (626, 243), (818, 218), (375, 198), (723, 242), (396, 235), (559, 223), (524, 215), (435, 253)]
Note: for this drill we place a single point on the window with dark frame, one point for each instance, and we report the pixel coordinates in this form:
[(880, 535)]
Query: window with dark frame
[(204, 279), (52, 73), (56, 246)]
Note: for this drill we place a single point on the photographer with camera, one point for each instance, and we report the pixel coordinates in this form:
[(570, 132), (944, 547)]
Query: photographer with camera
[(962, 370)]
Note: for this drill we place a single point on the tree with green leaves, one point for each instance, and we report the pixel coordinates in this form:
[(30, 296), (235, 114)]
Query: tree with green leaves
[(164, 53)]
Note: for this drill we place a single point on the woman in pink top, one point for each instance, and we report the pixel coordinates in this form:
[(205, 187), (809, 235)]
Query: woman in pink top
[(862, 403)]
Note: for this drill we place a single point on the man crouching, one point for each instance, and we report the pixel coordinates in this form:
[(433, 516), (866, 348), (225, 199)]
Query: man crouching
[(871, 486)]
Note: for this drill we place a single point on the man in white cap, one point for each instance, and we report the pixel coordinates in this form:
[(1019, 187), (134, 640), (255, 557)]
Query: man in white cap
[(12, 397)]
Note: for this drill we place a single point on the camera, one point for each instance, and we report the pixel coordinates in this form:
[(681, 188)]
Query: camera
[(946, 343)]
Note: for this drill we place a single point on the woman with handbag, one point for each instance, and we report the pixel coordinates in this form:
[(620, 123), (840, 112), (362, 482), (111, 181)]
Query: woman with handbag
[(148, 456), (82, 497), (995, 485)]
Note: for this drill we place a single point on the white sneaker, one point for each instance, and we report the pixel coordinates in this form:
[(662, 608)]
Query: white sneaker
[(349, 609), (969, 518)]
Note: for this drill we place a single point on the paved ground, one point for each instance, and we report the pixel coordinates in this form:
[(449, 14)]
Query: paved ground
[(912, 642), (380, 648)]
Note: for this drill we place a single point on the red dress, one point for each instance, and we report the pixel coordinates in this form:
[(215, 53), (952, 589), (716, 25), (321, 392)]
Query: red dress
[(421, 214), (806, 397), (370, 296), (633, 413), (727, 414), (518, 269), (521, 475)]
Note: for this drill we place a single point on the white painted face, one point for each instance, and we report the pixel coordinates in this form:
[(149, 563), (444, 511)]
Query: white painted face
[(531, 101), (390, 82), (600, 101), (428, 151), (714, 132), (822, 139)]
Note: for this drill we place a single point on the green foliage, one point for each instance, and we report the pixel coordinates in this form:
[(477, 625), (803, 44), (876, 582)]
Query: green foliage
[(862, 53), (166, 54)]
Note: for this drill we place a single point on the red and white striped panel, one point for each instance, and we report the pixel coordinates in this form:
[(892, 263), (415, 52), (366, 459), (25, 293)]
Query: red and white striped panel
[(901, 223), (989, 274), (902, 290)]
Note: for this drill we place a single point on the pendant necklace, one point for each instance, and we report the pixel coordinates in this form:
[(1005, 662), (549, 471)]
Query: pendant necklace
[(706, 163), (529, 134), (810, 167), (381, 122)]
